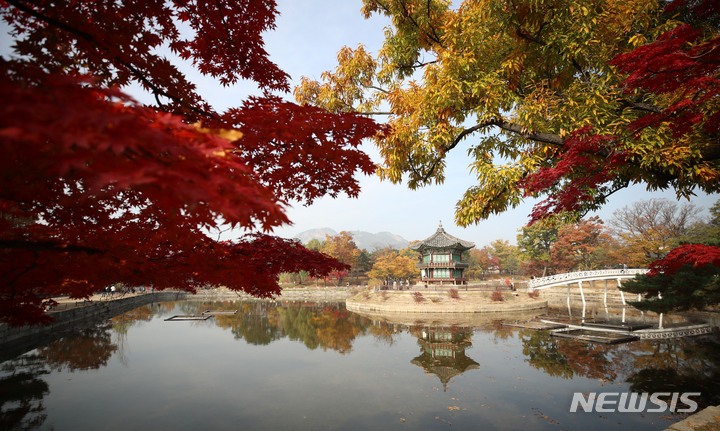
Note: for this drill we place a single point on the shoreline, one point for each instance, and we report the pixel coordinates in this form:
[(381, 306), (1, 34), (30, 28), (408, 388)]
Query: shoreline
[(470, 302)]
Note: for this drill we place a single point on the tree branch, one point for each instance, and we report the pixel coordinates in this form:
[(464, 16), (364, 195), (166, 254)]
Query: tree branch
[(531, 38), (89, 38), (641, 106), (34, 246), (548, 138)]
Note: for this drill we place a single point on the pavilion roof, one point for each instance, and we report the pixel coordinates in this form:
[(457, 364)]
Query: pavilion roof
[(442, 239)]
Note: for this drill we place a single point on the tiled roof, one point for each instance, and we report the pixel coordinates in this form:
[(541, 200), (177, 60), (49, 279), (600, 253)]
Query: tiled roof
[(441, 239)]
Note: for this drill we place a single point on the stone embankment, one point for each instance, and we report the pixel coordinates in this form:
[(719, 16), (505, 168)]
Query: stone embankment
[(320, 294), (71, 313), (441, 302), (707, 419)]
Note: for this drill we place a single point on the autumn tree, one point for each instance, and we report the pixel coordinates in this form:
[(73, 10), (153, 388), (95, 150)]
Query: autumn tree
[(687, 278), (343, 248), (570, 99), (704, 232), (649, 229), (577, 244), (97, 188), (480, 261), (394, 265), (535, 242), (507, 255), (315, 244)]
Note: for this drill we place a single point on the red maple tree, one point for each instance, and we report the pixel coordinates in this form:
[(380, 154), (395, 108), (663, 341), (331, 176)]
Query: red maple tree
[(96, 188), (681, 67)]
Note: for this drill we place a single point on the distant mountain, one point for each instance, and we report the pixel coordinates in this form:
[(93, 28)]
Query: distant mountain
[(363, 240), (376, 241), (318, 234)]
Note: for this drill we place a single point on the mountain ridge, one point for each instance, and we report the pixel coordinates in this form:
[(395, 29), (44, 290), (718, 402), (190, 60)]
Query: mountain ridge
[(364, 240)]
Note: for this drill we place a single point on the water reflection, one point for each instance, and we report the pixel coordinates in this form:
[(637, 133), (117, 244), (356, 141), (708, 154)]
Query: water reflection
[(22, 390), (463, 354), (443, 352), (568, 358)]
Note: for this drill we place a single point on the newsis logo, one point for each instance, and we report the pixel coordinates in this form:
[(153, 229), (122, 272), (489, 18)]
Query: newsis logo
[(631, 402)]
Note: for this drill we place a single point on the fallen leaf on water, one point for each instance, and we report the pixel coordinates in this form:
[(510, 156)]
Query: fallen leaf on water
[(453, 408)]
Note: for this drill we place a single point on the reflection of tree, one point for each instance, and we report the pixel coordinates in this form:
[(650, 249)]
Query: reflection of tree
[(253, 323), (335, 330), (123, 322), (443, 351), (674, 365), (21, 393), (329, 326), (89, 348), (568, 358), (677, 366), (588, 359), (500, 331), (325, 326), (384, 331), (542, 353), (298, 324)]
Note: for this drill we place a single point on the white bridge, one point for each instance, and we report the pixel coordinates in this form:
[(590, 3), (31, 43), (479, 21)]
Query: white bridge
[(579, 277)]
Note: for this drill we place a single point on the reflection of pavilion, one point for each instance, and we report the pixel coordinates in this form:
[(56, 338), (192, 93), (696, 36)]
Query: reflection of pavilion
[(443, 353)]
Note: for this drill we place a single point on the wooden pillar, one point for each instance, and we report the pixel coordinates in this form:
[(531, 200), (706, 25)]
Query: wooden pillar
[(568, 298), (622, 296), (605, 294)]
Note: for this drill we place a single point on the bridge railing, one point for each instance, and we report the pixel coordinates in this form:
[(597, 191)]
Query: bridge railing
[(582, 275)]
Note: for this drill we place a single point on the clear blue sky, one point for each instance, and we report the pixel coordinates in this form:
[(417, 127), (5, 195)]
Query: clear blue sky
[(308, 36)]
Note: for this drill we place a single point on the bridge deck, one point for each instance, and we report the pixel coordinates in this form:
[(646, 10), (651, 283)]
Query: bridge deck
[(580, 276)]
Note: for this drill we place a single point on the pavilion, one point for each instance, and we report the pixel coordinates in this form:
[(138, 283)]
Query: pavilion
[(441, 258)]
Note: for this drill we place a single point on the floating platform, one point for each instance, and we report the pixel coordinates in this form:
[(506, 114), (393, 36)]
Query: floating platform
[(618, 326), (594, 336), (565, 320), (219, 312), (540, 326), (188, 317)]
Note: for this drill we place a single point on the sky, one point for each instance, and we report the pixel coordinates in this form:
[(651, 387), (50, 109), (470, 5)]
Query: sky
[(306, 40)]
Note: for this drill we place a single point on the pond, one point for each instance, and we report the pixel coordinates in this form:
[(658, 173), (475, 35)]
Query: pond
[(317, 366)]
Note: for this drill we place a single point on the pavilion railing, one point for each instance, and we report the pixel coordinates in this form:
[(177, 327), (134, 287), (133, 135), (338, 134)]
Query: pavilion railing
[(442, 265)]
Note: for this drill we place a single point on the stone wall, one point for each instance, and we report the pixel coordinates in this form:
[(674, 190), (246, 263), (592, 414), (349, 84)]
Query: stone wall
[(309, 294), (469, 302), (96, 310)]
